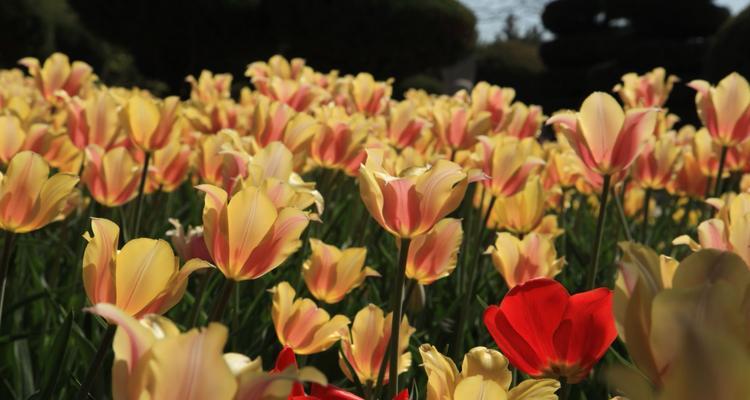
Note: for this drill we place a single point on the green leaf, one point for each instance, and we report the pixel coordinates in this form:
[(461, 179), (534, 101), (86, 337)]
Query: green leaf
[(56, 356)]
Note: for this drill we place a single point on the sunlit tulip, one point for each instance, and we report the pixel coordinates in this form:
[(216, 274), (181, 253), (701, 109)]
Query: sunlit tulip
[(404, 125), (331, 273), (632, 203), (432, 255), (13, 136), (493, 99), (364, 347), (300, 96), (411, 205), (301, 325), (725, 108), (246, 235), (29, 197), (153, 360), (484, 375), (112, 176), (188, 244), (457, 127), (606, 139), (277, 65), (339, 143), (58, 73), (648, 90), (508, 162), (567, 337), (706, 153), (519, 261), (689, 179), (93, 120), (277, 122), (368, 96), (522, 212), (141, 278), (151, 121), (523, 121), (655, 165), (170, 166), (209, 87), (222, 160), (562, 168)]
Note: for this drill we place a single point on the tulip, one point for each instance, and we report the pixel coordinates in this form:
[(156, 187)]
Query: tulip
[(689, 180), (141, 278), (522, 122), (368, 96), (301, 325), (433, 255), (277, 122), (13, 136), (93, 120), (150, 122), (457, 127), (30, 198), (247, 235), (519, 261), (364, 347), (724, 109), (484, 375), (508, 162), (221, 159), (493, 99), (411, 205), (521, 213), (111, 176), (190, 244), (404, 124), (654, 166), (58, 73), (648, 90), (278, 66), (209, 88), (153, 360), (606, 139), (170, 167), (339, 143), (567, 336), (331, 273)]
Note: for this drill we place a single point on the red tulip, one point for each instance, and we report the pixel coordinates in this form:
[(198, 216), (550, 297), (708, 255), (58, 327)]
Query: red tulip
[(544, 331)]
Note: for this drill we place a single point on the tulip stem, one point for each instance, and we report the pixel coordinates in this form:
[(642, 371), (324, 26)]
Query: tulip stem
[(623, 218), (139, 201), (592, 272), (646, 204), (396, 305), (96, 365), (464, 311), (221, 303), (10, 239), (722, 160), (565, 389), (199, 298)]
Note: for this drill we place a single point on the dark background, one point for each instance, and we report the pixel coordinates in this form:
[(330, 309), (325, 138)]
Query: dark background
[(583, 45)]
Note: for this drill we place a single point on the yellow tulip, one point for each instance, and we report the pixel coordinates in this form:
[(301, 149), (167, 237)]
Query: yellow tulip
[(111, 176), (331, 273), (93, 120), (141, 278), (493, 99), (522, 212), (247, 235), (368, 96), (301, 325), (364, 347), (209, 88), (410, 205), (170, 167), (432, 255), (29, 197), (457, 127), (484, 375), (725, 108), (518, 261), (508, 161), (654, 167), (648, 90), (522, 121), (150, 122), (58, 73)]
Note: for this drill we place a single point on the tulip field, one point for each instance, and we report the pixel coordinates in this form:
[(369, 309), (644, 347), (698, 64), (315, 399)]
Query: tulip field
[(298, 234)]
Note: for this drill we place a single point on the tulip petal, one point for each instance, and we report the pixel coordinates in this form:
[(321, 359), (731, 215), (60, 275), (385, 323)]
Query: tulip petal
[(144, 269), (601, 120)]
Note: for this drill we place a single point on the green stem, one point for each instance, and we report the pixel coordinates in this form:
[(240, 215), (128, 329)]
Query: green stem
[(5, 267), (96, 364), (139, 200), (565, 389), (199, 298), (221, 303), (464, 311), (396, 306), (722, 160), (592, 272), (646, 204)]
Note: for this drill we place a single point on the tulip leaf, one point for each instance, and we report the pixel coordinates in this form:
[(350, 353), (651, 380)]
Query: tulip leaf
[(54, 362)]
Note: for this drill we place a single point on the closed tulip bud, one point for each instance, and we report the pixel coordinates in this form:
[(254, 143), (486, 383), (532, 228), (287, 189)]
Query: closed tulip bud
[(412, 204), (150, 121), (567, 337), (606, 139), (58, 73), (655, 165), (725, 108), (508, 162), (432, 255), (141, 278), (112, 176), (29, 197), (364, 347), (522, 212), (648, 90), (519, 261), (484, 375), (331, 273), (493, 99), (247, 235), (301, 325)]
